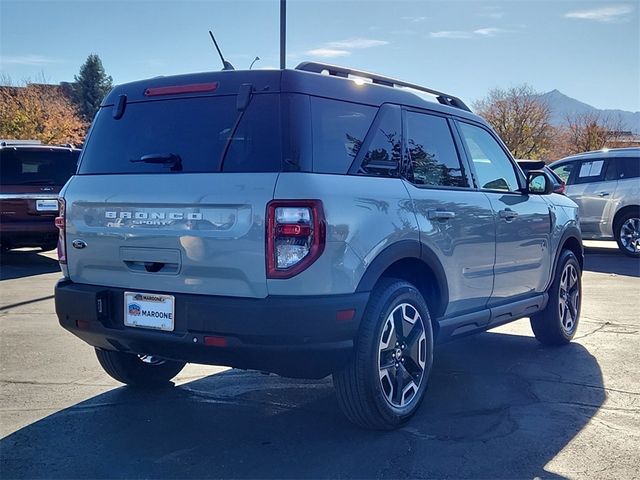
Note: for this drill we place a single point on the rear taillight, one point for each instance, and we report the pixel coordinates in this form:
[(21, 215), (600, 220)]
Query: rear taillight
[(295, 236), (62, 231)]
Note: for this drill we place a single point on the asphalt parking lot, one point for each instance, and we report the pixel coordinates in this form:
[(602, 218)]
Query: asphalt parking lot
[(499, 405)]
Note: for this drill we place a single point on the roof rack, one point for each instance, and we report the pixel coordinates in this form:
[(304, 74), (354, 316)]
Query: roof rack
[(344, 72), (6, 143)]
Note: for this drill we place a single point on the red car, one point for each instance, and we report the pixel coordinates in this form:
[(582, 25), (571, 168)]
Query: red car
[(31, 176)]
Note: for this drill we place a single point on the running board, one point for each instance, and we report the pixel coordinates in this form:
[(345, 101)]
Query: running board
[(463, 325)]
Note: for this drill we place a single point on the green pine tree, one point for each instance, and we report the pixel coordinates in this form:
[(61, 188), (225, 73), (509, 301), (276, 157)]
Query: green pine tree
[(91, 86)]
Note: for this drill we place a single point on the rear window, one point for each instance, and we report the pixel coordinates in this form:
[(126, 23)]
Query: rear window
[(195, 130), (37, 167)]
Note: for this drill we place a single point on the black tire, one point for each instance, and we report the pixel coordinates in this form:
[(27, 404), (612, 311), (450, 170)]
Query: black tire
[(365, 389), (558, 322), (135, 371), (627, 229)]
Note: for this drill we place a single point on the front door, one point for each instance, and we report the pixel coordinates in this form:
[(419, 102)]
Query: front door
[(523, 221)]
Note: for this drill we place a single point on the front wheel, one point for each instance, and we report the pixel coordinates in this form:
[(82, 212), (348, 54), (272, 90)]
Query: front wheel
[(627, 234), (384, 383), (558, 322), (138, 370)]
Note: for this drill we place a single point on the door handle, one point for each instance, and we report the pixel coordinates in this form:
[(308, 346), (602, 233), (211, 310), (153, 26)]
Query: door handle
[(507, 214), (603, 194), (440, 215)]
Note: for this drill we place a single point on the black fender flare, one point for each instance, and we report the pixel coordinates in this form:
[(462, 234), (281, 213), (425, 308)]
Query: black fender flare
[(571, 232), (405, 249)]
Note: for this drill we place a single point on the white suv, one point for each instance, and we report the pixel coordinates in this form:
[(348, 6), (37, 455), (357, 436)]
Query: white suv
[(606, 186)]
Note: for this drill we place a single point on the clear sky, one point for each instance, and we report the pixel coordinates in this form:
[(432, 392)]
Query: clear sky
[(589, 50)]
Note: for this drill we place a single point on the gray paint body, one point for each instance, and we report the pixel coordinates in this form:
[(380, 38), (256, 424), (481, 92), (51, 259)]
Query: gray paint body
[(208, 229), (218, 246)]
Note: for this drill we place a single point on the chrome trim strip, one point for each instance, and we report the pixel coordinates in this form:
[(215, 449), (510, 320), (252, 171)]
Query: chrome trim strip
[(28, 196)]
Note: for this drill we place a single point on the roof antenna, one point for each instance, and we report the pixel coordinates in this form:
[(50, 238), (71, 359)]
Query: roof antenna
[(283, 34), (225, 65)]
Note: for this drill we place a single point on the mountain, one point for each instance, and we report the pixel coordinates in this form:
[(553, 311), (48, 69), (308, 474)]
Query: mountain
[(562, 105)]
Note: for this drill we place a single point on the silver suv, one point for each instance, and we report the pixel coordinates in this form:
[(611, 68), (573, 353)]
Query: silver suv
[(303, 223), (606, 186)]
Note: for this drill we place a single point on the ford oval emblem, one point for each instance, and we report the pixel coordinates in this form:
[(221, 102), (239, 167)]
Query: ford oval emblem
[(79, 244)]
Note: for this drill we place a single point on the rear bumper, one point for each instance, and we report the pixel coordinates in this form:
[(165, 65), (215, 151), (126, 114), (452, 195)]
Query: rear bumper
[(292, 336)]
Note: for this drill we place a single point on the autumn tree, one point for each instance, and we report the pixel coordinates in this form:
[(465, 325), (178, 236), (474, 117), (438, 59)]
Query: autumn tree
[(521, 119), (40, 112), (91, 85), (591, 131)]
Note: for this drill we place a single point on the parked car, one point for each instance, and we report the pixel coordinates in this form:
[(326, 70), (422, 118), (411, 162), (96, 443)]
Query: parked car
[(606, 186), (31, 175), (306, 224), (528, 165)]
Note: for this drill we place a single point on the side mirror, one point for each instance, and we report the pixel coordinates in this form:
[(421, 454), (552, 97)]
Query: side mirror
[(539, 182)]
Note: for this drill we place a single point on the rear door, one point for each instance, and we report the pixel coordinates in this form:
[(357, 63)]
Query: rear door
[(161, 207), (523, 221), (455, 220), (593, 188)]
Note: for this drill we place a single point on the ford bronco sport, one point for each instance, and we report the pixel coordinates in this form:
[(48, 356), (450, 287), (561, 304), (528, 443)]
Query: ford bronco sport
[(303, 223)]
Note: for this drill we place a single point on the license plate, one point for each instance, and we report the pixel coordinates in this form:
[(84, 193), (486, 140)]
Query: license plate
[(47, 205), (149, 310)]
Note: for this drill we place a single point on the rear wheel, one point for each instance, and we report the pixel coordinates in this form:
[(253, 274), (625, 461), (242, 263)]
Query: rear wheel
[(138, 370), (385, 380), (627, 233), (558, 322)]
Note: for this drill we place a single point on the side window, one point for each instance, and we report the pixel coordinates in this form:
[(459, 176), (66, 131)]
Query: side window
[(493, 167), (564, 171), (628, 167), (590, 171), (432, 152), (338, 131), (384, 151)]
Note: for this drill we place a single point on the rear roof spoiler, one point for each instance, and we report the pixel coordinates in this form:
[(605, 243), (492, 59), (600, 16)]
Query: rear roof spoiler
[(344, 72)]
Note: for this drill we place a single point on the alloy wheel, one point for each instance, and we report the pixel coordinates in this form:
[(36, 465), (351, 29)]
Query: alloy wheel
[(630, 235), (569, 298), (402, 352)]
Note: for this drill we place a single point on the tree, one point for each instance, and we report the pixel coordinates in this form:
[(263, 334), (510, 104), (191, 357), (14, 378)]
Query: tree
[(521, 119), (591, 131), (41, 112), (91, 86)]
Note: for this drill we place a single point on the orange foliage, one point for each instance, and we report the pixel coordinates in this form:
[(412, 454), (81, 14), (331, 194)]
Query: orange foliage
[(39, 112)]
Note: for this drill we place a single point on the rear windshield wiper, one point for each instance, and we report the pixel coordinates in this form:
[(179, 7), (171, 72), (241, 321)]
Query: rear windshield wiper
[(172, 159)]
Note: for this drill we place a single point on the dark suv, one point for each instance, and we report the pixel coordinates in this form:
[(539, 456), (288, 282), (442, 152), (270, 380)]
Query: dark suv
[(31, 175), (306, 223)]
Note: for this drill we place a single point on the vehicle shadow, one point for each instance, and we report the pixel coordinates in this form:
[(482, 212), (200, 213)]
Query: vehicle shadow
[(25, 263), (498, 406), (607, 260)]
